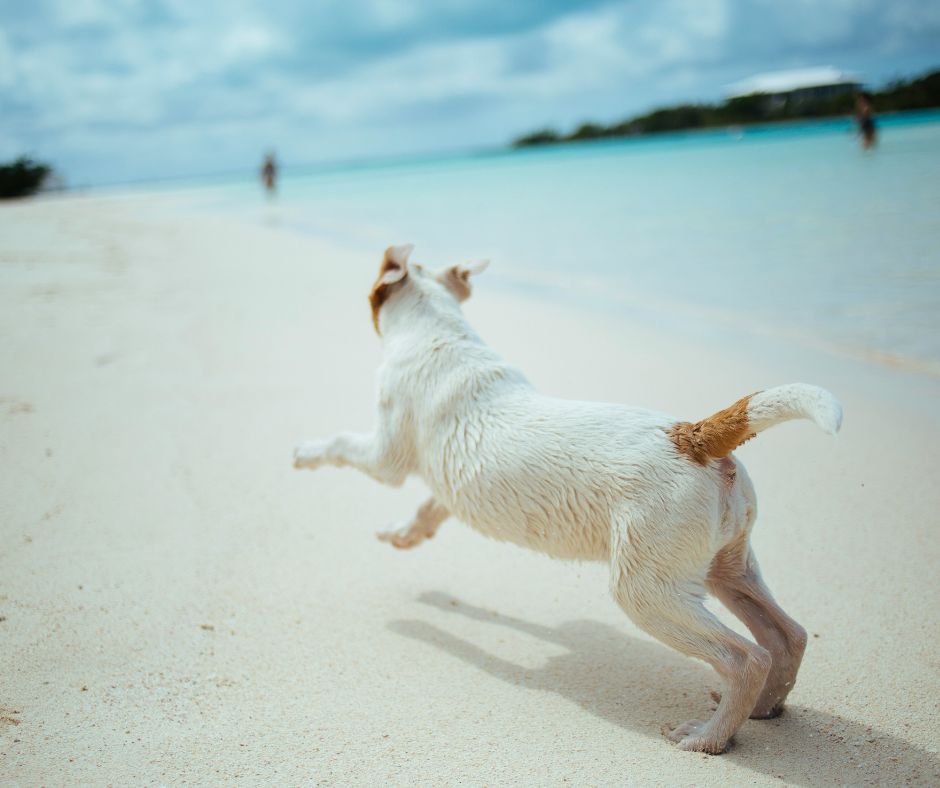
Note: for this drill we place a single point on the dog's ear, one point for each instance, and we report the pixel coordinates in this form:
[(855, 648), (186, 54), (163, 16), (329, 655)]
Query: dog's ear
[(394, 269), (466, 270), (457, 277), (395, 264)]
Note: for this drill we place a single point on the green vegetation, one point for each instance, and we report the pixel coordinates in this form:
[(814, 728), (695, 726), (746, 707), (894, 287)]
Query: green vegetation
[(920, 93), (22, 177)]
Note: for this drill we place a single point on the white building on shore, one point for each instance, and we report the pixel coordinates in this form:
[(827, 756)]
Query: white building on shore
[(796, 85)]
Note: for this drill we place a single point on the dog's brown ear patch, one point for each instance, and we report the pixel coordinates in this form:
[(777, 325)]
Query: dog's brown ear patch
[(393, 270), (457, 278), (714, 437), (456, 281)]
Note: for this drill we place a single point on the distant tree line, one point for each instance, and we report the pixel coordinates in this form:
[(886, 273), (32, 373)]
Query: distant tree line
[(919, 93), (22, 177)]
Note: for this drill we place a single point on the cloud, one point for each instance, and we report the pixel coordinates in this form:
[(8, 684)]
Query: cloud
[(96, 85), (577, 52)]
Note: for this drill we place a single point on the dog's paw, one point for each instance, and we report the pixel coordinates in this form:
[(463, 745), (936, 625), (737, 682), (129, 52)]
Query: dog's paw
[(693, 736), (690, 728), (309, 454), (403, 538), (767, 712)]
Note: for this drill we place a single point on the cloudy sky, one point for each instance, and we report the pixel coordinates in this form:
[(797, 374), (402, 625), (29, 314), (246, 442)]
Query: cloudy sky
[(118, 90)]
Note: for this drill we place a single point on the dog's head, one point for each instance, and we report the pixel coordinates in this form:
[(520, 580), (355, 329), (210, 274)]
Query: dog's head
[(397, 276)]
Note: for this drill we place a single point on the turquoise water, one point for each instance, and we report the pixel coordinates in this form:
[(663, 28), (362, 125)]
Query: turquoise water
[(789, 230)]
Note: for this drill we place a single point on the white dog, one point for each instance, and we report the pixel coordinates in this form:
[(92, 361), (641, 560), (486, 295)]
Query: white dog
[(663, 501)]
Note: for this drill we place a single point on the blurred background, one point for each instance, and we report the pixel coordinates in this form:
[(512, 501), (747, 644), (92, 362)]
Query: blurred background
[(116, 90), (765, 166)]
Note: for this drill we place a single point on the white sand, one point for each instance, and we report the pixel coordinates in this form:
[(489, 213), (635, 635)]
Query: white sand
[(179, 605)]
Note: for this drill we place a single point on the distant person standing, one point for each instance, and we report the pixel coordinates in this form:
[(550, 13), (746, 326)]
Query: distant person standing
[(269, 174), (865, 117)]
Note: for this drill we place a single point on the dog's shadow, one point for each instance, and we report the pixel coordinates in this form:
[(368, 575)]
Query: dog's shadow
[(621, 679)]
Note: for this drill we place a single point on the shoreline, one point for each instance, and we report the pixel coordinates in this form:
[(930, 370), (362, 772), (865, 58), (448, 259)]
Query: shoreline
[(678, 317), (822, 122), (349, 166), (178, 604)]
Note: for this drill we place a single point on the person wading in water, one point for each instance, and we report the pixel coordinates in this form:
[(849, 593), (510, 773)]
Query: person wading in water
[(269, 174), (865, 117)]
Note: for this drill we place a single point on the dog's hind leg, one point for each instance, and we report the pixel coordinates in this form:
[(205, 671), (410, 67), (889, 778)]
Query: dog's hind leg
[(670, 608), (422, 526), (735, 579)]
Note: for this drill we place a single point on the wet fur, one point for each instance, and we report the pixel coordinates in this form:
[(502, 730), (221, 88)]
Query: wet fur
[(663, 502)]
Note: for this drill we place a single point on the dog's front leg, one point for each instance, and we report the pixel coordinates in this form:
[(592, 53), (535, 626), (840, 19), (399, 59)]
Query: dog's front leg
[(422, 526), (371, 454)]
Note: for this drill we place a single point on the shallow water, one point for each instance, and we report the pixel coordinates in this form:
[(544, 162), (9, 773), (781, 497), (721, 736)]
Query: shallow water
[(790, 230)]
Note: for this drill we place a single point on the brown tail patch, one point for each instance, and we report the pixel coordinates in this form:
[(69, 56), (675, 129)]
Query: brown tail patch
[(714, 437)]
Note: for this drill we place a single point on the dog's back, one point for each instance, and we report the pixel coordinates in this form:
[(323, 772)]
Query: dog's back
[(517, 466)]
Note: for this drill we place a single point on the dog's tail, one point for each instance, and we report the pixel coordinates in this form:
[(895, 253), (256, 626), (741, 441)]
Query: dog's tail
[(720, 434)]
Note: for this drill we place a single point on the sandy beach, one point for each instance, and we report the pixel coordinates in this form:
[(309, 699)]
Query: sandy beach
[(179, 605)]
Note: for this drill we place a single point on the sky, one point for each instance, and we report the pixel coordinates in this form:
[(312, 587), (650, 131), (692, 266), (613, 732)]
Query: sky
[(113, 91)]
